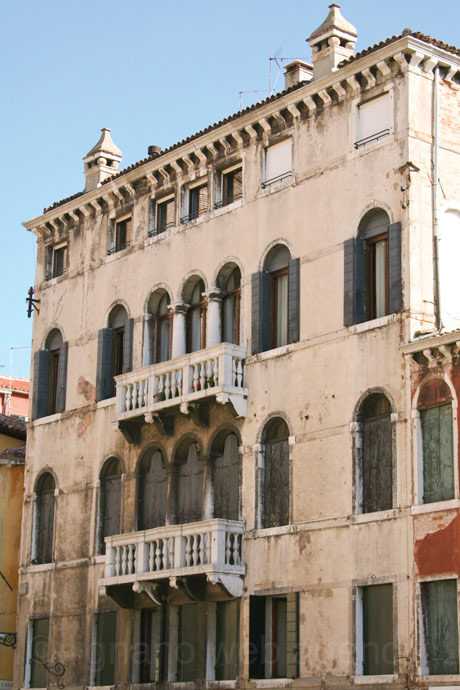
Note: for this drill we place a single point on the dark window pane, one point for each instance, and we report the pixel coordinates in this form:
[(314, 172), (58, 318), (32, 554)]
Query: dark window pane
[(104, 654), (187, 643), (227, 620), (226, 481), (39, 653), (378, 630)]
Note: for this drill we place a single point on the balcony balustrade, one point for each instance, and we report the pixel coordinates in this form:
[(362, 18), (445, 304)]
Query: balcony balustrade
[(210, 547), (217, 371)]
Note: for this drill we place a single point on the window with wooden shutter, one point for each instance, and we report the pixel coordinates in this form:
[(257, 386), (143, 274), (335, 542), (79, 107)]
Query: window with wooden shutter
[(231, 308), (104, 650), (39, 652), (109, 502), (276, 474), (226, 479), (274, 636), (375, 478), (195, 201), (438, 455), (377, 630), (44, 519), (189, 486), (278, 162), (152, 489), (227, 639), (375, 120), (150, 656), (440, 626), (114, 351), (187, 643), (196, 319)]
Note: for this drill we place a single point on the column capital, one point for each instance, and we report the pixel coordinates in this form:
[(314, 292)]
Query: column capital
[(179, 307), (214, 295)]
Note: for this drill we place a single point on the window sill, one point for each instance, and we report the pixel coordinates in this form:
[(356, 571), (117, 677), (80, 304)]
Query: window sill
[(157, 237), (48, 419), (270, 682), (229, 207), (270, 354), (441, 679), (54, 280), (96, 560), (105, 403), (39, 568), (373, 145), (116, 255), (271, 531), (450, 504), (278, 185), (221, 684), (375, 680), (379, 515), (375, 323)]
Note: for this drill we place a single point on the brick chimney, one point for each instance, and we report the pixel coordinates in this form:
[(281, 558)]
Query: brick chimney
[(332, 42), (102, 161), (297, 71)]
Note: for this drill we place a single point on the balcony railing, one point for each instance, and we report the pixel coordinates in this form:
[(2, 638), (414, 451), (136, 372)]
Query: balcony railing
[(211, 547), (217, 371)]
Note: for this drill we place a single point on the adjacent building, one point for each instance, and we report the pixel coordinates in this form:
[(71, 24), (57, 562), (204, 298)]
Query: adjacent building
[(243, 454), (14, 396)]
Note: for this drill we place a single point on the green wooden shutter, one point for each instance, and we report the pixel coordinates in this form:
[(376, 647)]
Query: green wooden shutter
[(128, 346), (227, 624), (186, 650), (354, 281), (440, 608), (40, 385), (104, 383), (438, 460), (106, 634), (394, 268), (62, 377), (39, 652), (260, 341), (257, 637), (293, 300), (292, 635), (45, 527), (378, 629)]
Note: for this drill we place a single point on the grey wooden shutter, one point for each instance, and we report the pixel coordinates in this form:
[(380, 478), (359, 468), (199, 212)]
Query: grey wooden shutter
[(438, 457), (128, 346), (104, 385), (227, 620), (106, 624), (293, 300), (377, 469), (394, 268), (39, 651), (292, 635), (276, 494), (62, 377), (260, 312), (441, 626), (40, 385), (112, 505), (45, 526), (186, 651), (354, 281)]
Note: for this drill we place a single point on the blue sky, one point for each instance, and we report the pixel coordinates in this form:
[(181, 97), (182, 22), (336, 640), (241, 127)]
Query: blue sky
[(154, 72)]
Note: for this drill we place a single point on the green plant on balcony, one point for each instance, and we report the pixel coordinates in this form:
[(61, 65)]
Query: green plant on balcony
[(160, 396)]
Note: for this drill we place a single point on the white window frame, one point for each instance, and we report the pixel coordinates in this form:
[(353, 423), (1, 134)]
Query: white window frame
[(185, 201), (360, 141), (359, 632), (219, 185), (155, 203), (268, 182), (112, 232)]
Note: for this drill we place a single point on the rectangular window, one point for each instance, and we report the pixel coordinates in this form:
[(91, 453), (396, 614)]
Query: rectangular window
[(227, 624), (377, 267), (280, 308), (274, 636), (440, 627), (56, 261), (229, 186), (120, 235), (438, 454), (104, 648), (187, 643), (278, 162), (39, 652), (195, 202), (164, 216), (375, 616), (151, 648), (374, 120)]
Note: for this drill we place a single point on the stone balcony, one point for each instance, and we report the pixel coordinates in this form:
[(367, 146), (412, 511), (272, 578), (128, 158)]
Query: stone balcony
[(169, 555), (185, 383)]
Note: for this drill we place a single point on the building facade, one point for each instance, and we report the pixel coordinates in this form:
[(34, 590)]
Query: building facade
[(14, 396), (243, 454)]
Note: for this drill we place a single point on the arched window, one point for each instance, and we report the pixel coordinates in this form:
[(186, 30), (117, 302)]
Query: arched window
[(152, 489), (372, 271), (276, 301), (435, 409), (44, 519), (110, 502), (189, 482), (158, 329), (196, 318), (375, 455), (50, 376), (114, 351), (276, 474), (226, 476), (231, 307)]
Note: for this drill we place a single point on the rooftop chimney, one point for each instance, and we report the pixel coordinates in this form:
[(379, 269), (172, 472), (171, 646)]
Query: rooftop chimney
[(297, 71), (332, 42), (154, 150), (102, 161)]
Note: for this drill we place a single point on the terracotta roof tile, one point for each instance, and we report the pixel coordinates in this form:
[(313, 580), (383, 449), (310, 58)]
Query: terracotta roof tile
[(14, 427), (15, 383), (16, 455)]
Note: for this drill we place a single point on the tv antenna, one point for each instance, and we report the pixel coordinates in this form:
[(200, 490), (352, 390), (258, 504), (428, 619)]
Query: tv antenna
[(271, 86)]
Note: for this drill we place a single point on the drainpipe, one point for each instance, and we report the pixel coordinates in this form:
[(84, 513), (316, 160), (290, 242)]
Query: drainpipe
[(435, 158)]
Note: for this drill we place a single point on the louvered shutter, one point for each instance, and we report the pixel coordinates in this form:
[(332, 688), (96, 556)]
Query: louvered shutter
[(128, 346), (292, 635), (260, 312), (394, 268), (377, 470), (441, 620), (62, 377), (438, 463), (293, 300), (40, 386), (378, 629), (354, 281), (104, 385)]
